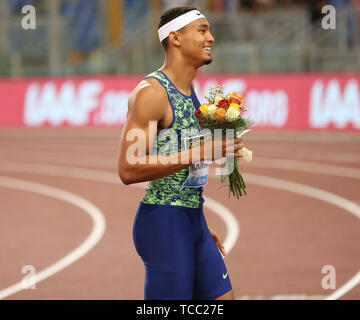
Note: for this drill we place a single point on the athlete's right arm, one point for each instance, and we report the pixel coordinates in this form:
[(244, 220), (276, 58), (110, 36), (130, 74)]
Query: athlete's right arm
[(148, 102)]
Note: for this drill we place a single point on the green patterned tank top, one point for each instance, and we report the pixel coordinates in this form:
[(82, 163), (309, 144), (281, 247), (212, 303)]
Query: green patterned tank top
[(169, 190)]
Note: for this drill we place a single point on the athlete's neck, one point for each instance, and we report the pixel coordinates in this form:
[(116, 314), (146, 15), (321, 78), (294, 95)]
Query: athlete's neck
[(181, 75)]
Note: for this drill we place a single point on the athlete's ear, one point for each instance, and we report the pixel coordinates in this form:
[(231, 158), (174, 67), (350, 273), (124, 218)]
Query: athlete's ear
[(174, 38)]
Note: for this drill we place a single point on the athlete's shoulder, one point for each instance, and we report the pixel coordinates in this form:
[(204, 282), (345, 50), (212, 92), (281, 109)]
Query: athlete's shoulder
[(150, 89), (148, 100)]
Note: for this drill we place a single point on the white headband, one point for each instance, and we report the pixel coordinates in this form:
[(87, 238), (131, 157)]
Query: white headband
[(178, 23)]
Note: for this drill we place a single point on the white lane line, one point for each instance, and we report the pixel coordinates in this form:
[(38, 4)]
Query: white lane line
[(96, 234), (250, 178), (304, 190), (307, 166), (60, 171), (345, 288), (232, 225), (71, 158), (309, 156)]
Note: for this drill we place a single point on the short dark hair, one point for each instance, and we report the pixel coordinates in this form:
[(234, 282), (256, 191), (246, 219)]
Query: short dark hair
[(170, 15)]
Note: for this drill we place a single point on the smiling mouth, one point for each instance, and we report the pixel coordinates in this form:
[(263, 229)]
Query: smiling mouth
[(207, 49)]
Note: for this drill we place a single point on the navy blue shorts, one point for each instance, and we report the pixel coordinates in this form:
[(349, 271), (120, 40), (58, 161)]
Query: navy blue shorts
[(181, 258)]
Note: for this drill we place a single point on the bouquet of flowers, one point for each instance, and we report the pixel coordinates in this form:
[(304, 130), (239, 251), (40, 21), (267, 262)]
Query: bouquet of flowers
[(225, 111)]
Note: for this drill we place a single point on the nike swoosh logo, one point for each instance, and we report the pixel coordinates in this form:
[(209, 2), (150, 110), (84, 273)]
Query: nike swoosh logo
[(225, 275)]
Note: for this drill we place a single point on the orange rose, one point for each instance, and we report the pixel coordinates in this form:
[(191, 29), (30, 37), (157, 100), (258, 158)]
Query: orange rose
[(220, 114), (233, 100), (237, 96)]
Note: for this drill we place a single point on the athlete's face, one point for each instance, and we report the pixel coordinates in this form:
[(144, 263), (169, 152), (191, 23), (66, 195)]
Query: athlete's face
[(197, 41)]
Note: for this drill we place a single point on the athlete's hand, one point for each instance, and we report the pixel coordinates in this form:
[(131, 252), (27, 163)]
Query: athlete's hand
[(218, 241), (216, 149)]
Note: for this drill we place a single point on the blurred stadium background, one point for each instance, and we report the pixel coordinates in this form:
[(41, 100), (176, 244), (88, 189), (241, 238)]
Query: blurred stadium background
[(63, 100), (274, 51), (119, 36)]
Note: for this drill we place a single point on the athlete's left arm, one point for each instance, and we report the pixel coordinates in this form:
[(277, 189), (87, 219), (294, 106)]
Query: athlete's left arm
[(217, 239)]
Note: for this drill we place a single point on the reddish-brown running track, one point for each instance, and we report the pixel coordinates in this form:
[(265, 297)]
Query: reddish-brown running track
[(291, 226)]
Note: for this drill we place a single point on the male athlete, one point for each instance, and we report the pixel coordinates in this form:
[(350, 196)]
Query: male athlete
[(170, 233)]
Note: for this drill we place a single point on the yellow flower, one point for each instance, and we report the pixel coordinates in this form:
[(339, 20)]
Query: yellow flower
[(235, 105), (204, 110)]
